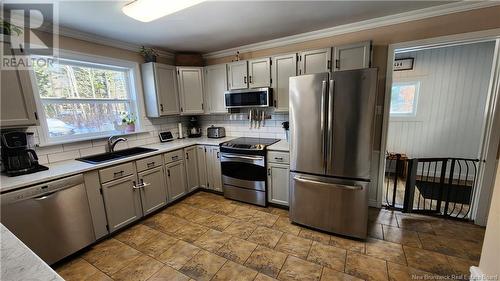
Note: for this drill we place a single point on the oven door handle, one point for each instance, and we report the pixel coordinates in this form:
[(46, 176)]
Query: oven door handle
[(230, 156)]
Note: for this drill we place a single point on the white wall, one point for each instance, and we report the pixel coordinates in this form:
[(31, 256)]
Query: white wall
[(450, 111), (489, 263)]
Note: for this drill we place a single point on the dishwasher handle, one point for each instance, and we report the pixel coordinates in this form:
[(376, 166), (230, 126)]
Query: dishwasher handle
[(43, 191), (46, 196), (62, 183)]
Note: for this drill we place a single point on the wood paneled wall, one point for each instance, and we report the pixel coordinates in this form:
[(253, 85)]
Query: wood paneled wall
[(451, 104)]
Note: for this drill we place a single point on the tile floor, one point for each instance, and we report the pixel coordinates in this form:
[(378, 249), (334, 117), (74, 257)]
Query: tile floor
[(207, 237)]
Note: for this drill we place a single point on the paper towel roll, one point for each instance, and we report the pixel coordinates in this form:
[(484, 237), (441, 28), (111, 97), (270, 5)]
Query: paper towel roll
[(181, 136)]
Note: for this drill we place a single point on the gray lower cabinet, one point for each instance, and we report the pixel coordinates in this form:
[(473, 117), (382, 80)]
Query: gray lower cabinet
[(278, 183), (191, 160), (202, 165), (214, 174), (122, 201), (176, 179), (153, 193)]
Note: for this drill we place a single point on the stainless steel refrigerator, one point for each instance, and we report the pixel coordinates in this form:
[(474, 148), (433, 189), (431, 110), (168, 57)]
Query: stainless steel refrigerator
[(331, 138)]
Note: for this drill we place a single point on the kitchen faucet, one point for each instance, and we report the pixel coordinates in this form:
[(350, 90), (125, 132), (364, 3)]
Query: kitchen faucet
[(113, 142)]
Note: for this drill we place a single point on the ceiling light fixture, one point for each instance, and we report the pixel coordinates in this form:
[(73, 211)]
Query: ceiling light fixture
[(149, 10)]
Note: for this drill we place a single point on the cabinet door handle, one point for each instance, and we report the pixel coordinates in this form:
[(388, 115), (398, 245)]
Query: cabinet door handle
[(134, 185), (187, 156), (337, 64), (168, 172), (250, 79), (268, 171), (244, 79), (118, 174), (279, 158), (161, 107), (218, 155), (144, 184), (150, 164)]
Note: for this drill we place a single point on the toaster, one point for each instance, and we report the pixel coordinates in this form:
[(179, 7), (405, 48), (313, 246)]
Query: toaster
[(216, 132)]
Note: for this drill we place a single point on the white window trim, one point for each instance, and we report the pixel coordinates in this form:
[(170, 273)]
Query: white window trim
[(134, 86), (416, 116)]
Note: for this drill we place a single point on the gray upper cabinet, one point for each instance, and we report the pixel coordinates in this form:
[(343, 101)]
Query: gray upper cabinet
[(259, 73), (17, 106), (122, 201), (315, 61), (176, 180), (352, 56), (191, 168), (215, 87), (237, 74), (202, 165), (160, 89), (153, 192), (283, 67), (190, 81)]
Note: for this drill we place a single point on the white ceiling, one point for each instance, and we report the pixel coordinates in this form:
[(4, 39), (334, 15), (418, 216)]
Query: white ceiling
[(217, 25)]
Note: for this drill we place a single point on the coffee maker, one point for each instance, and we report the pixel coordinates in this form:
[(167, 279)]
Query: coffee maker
[(17, 156), (194, 129)]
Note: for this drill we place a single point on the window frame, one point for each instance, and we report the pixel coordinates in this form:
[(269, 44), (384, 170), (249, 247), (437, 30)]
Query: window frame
[(133, 85), (415, 115)]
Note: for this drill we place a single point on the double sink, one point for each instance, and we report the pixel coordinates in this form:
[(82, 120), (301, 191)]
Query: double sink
[(111, 156)]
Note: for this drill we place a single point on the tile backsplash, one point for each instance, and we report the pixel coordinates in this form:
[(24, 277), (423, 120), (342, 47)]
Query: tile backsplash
[(236, 125), (68, 151)]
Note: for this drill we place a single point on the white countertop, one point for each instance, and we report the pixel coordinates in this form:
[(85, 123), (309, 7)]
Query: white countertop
[(282, 145), (20, 263), (72, 167)]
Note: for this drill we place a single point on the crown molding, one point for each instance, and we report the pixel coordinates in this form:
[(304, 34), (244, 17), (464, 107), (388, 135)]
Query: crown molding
[(68, 32), (445, 9)]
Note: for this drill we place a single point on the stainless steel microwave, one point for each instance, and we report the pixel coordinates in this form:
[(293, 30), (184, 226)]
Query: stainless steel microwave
[(260, 97)]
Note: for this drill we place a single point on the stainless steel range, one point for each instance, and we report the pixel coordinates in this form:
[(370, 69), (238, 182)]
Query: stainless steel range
[(243, 162)]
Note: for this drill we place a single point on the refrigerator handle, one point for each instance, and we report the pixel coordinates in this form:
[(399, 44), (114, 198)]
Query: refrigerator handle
[(329, 142), (323, 121), (334, 185)]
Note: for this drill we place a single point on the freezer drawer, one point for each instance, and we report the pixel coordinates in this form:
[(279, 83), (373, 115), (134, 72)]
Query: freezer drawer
[(329, 204)]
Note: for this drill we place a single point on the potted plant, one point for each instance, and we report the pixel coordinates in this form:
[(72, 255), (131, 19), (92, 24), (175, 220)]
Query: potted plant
[(128, 119), (149, 54), (8, 28)]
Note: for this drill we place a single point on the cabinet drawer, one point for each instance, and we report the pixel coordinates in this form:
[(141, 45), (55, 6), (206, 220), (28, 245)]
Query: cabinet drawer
[(116, 172), (148, 163), (278, 157), (173, 156)]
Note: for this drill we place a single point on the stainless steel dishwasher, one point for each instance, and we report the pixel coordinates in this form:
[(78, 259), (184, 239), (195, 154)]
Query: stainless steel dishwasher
[(52, 219)]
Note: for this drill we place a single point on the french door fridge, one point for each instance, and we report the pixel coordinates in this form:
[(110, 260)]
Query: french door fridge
[(331, 139)]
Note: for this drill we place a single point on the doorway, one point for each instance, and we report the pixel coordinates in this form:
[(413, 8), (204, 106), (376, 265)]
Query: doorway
[(438, 121)]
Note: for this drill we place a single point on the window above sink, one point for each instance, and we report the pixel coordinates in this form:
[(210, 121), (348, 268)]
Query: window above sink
[(83, 97)]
